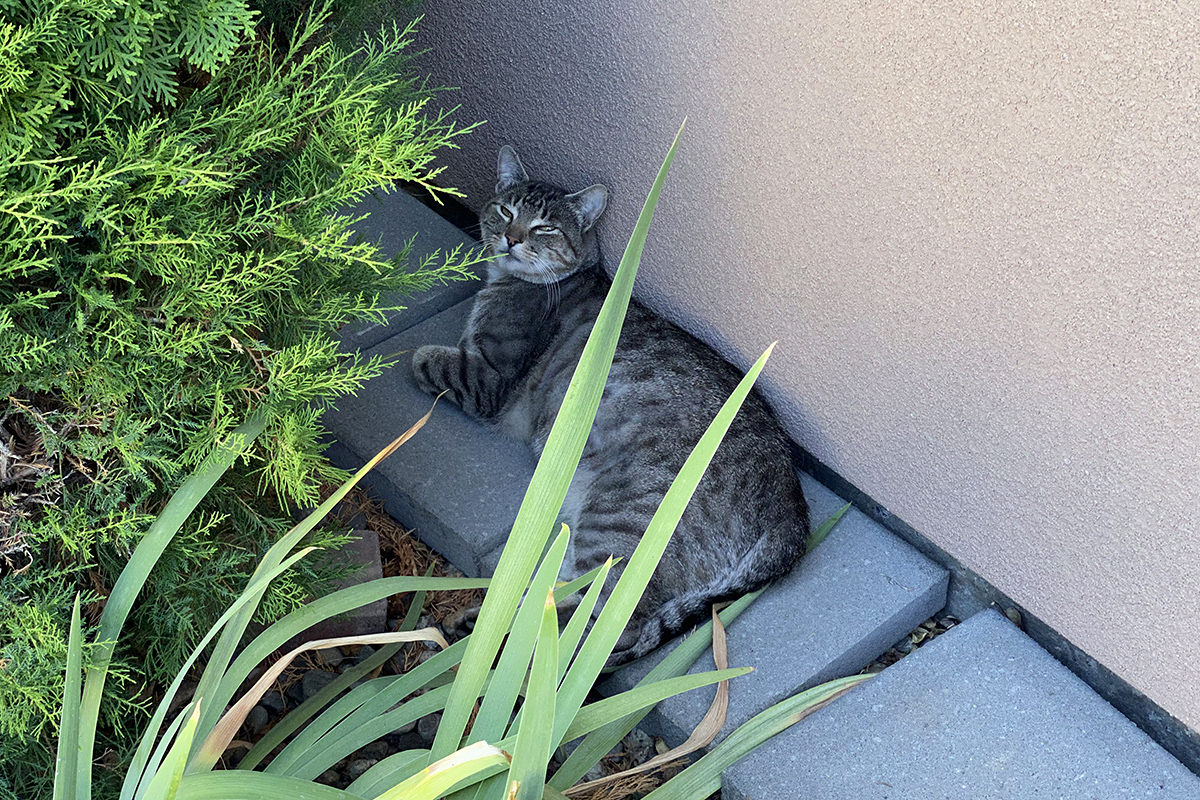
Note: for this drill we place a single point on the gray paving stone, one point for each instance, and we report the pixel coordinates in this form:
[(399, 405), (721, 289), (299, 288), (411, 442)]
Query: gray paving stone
[(980, 712), (394, 219), (458, 483), (843, 605)]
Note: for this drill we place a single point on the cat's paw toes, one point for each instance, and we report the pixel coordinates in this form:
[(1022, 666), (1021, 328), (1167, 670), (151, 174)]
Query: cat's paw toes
[(460, 624), (425, 367)]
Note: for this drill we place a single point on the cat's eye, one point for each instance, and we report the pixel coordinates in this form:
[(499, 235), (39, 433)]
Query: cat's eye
[(546, 230), (504, 212)]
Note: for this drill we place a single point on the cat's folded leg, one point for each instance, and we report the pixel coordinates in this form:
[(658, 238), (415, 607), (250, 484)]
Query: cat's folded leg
[(469, 381)]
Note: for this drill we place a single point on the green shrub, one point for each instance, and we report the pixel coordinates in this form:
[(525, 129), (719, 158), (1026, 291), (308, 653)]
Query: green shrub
[(174, 255)]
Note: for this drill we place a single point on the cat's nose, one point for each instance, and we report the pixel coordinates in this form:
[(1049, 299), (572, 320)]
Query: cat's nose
[(512, 240)]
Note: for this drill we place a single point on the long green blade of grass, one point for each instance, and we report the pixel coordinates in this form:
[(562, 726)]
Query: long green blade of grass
[(362, 705), (388, 772), (133, 578), (243, 785), (645, 696), (527, 774), (704, 777), (821, 531), (681, 658), (165, 783), (501, 698), (213, 680), (164, 743), (66, 764), (142, 765), (475, 761), (625, 595), (572, 634), (298, 716), (345, 739), (305, 617), (305, 711), (548, 488)]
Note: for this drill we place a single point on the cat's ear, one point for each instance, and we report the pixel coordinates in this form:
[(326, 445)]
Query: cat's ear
[(589, 204), (509, 169)]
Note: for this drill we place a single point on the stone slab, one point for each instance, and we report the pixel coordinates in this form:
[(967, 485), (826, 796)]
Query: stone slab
[(458, 482), (981, 711), (394, 219), (844, 604)]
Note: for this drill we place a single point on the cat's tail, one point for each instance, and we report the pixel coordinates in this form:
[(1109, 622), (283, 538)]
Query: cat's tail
[(673, 617), (764, 563)]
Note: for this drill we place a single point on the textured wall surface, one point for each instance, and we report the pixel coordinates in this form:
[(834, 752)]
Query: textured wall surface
[(973, 228)]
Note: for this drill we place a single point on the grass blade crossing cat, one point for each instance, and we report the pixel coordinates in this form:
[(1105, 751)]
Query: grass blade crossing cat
[(748, 521)]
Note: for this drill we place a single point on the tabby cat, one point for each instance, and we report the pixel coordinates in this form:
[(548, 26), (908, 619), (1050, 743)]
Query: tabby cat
[(748, 521)]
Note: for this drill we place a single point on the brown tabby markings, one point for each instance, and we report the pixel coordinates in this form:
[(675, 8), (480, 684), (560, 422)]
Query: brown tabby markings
[(748, 521)]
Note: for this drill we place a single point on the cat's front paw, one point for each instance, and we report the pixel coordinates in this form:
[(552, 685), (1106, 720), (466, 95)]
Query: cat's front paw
[(429, 367)]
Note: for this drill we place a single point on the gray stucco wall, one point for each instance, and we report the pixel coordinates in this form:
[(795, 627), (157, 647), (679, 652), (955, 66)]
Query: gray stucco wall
[(973, 228)]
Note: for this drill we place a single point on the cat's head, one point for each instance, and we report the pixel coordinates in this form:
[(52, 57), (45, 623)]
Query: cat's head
[(538, 232)]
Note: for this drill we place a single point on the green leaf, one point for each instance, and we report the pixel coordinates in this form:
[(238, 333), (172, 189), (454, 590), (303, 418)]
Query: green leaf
[(143, 764), (501, 697), (704, 777), (165, 783), (823, 530), (338, 726), (681, 658), (580, 617), (65, 769), (133, 578), (243, 785), (214, 682), (473, 762), (594, 716), (527, 775), (297, 717), (388, 772)]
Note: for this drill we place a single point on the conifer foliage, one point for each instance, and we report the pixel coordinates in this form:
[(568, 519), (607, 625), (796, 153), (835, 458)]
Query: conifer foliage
[(174, 254)]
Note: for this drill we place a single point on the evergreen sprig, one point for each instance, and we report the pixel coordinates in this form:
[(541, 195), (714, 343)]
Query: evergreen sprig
[(176, 252)]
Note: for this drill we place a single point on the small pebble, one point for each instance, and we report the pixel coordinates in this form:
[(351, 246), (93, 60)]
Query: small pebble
[(314, 681), (332, 657), (358, 766), (594, 774), (427, 727), (407, 727), (375, 750), (364, 652), (330, 777), (409, 741), (272, 701), (257, 719)]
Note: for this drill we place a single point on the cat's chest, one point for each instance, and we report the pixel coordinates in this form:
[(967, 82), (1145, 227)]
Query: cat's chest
[(534, 401)]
